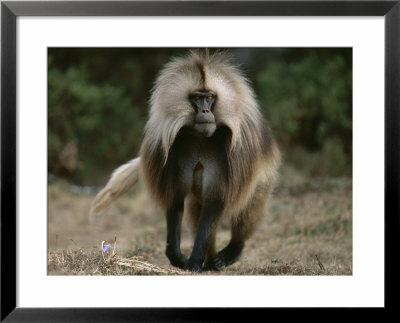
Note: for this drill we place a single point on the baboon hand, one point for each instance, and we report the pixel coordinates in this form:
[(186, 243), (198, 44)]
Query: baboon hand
[(177, 260), (193, 266)]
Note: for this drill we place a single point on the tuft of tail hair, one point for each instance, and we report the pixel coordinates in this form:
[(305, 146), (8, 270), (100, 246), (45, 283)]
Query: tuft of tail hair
[(121, 181)]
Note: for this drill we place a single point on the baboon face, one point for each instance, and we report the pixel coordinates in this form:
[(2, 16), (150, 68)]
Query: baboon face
[(203, 103)]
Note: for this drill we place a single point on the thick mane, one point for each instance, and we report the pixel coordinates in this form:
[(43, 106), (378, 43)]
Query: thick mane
[(206, 154), (235, 108)]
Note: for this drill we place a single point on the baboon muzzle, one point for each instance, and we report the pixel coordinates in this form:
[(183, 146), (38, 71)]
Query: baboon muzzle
[(204, 122)]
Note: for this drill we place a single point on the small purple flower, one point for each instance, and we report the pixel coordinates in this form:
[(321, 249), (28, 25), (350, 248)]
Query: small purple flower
[(109, 251)]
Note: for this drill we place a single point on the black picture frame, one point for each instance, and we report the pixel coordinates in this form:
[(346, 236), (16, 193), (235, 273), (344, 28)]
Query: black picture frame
[(10, 11)]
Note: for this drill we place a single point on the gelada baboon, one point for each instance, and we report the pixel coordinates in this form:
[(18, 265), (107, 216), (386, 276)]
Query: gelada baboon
[(208, 153)]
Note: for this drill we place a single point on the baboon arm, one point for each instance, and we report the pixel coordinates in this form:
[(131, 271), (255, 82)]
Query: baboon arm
[(209, 217), (121, 181), (174, 221)]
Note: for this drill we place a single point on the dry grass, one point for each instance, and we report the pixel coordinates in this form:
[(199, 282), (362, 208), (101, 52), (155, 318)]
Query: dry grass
[(308, 231), (89, 261)]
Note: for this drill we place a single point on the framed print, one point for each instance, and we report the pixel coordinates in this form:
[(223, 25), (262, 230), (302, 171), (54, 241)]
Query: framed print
[(78, 79)]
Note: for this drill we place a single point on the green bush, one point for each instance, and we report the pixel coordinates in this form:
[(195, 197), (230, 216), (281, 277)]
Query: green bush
[(308, 103), (89, 123)]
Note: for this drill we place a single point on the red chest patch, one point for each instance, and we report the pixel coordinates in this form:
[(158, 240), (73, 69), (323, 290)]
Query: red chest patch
[(198, 166)]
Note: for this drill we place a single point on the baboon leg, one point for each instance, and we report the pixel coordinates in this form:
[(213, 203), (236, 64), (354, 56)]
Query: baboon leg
[(205, 236), (242, 227), (174, 221)]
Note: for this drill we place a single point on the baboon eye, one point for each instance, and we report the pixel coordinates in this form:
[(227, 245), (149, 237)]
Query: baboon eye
[(197, 97), (209, 97)]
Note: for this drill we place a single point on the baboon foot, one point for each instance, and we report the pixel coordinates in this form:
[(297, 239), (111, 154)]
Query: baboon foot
[(225, 257)]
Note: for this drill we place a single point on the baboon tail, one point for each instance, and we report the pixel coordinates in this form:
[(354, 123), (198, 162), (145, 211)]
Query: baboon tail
[(121, 181)]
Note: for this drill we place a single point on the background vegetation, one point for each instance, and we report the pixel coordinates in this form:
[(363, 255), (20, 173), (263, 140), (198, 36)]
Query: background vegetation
[(97, 108), (98, 101)]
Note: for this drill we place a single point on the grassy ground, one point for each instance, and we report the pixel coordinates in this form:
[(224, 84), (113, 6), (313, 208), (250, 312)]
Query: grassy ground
[(308, 231)]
